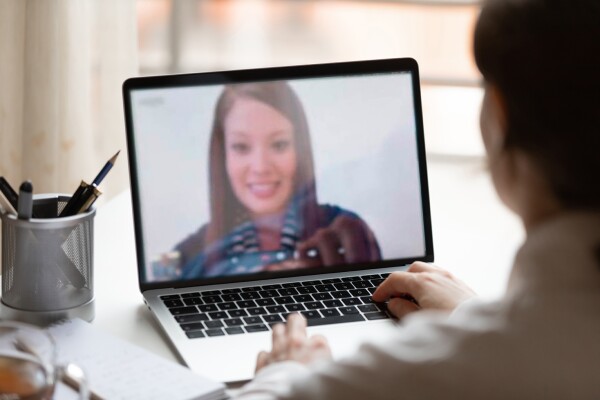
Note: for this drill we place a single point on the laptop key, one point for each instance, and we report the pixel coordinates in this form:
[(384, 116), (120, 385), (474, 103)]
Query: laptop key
[(362, 284), (306, 289), (311, 314), (332, 303), (265, 302), (237, 313), (253, 320), (270, 287), (273, 318), (169, 297), (212, 299), (352, 301), (343, 286), (268, 293), (325, 288), (213, 324), (376, 315), (173, 303), (284, 300), (295, 307), (359, 292), (372, 276), (211, 292), (194, 326), (191, 318), (377, 282), (256, 328), (256, 311), (246, 304), (287, 291), (193, 301), (340, 294), (321, 296), (231, 291), (303, 298), (233, 322), (348, 310), (311, 283), (251, 289), (183, 310), (214, 332), (314, 305), (195, 334), (368, 308), (351, 278), (292, 284), (235, 330), (275, 309), (332, 280), (227, 306), (367, 299), (208, 307), (218, 315), (250, 295), (335, 320), (330, 312), (231, 297)]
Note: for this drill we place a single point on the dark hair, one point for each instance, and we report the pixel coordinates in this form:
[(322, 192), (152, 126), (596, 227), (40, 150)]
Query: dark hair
[(224, 205), (544, 57)]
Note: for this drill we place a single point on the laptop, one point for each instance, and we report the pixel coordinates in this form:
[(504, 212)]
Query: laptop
[(263, 192)]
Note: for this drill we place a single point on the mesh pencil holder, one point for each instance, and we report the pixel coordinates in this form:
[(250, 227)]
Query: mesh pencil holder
[(47, 264)]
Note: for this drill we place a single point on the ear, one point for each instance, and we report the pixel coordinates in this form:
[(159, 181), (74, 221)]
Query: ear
[(493, 120)]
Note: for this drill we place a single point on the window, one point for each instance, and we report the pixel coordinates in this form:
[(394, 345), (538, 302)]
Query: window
[(201, 35)]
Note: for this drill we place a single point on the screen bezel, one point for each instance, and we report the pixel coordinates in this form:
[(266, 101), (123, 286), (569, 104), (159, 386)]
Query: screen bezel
[(353, 68)]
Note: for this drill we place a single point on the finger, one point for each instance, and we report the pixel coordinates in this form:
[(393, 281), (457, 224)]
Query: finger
[(296, 331), (396, 284), (399, 307), (351, 236), (279, 341), (419, 266), (262, 360), (328, 244), (323, 245)]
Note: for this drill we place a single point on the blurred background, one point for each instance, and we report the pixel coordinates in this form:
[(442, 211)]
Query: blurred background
[(178, 36)]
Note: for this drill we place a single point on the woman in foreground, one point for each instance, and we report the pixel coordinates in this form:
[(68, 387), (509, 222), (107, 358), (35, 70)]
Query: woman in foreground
[(540, 123)]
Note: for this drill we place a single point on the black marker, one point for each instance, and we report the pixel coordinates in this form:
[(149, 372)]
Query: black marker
[(25, 203)]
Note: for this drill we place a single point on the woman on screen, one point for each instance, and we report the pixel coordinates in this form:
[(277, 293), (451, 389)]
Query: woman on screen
[(263, 201)]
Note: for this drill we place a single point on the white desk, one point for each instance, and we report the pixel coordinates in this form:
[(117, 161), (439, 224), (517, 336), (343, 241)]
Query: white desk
[(474, 236)]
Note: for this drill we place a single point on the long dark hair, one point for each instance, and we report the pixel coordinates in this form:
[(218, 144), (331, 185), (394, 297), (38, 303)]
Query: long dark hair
[(544, 57), (224, 205)]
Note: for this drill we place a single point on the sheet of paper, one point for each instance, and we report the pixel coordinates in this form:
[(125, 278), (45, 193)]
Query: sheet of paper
[(119, 370)]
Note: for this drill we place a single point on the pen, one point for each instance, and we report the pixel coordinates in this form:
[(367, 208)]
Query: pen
[(80, 201), (25, 204), (8, 192), (104, 171), (5, 205)]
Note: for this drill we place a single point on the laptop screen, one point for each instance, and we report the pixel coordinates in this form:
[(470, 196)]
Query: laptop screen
[(238, 178)]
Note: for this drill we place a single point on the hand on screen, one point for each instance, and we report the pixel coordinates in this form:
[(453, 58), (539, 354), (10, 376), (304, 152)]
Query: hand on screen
[(422, 286), (345, 240)]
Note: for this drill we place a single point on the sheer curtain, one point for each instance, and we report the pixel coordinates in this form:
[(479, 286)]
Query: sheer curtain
[(61, 69)]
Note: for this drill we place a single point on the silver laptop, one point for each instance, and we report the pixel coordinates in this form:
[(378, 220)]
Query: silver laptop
[(259, 193)]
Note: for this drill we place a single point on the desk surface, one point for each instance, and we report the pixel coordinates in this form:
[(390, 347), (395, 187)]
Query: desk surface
[(474, 236)]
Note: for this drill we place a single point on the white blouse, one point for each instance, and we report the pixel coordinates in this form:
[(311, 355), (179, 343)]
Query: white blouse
[(541, 341)]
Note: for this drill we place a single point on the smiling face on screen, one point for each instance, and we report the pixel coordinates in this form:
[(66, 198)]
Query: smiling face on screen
[(260, 156)]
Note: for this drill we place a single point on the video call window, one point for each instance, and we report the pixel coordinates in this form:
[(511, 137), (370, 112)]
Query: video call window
[(271, 176)]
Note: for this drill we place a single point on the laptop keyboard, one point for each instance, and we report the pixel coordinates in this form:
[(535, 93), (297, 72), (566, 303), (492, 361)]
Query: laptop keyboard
[(254, 309)]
